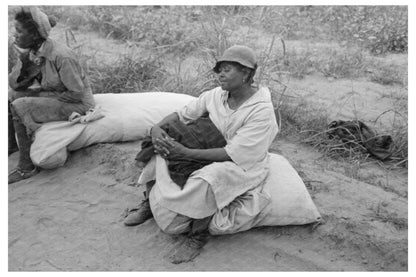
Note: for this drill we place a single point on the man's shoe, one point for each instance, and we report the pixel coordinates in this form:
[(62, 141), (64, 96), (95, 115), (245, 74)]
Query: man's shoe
[(139, 214), (19, 174)]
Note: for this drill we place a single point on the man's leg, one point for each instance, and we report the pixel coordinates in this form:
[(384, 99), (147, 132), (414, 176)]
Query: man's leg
[(25, 168), (25, 163), (33, 111), (13, 95), (12, 143), (28, 115)]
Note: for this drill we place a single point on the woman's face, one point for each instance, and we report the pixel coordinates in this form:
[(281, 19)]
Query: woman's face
[(22, 37), (230, 76)]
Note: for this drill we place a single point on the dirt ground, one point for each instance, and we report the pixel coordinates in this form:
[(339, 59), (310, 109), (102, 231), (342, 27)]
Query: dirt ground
[(69, 219)]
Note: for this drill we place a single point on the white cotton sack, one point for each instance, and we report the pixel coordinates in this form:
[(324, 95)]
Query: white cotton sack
[(48, 149), (290, 203), (127, 117), (284, 200)]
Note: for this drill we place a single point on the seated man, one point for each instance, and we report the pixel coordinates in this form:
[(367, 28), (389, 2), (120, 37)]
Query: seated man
[(63, 87)]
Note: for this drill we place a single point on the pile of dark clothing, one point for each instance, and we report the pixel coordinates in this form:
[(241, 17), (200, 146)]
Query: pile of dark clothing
[(198, 134), (356, 132)]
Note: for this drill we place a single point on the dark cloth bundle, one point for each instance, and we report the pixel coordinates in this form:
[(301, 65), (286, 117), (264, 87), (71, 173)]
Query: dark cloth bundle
[(198, 134), (353, 132)]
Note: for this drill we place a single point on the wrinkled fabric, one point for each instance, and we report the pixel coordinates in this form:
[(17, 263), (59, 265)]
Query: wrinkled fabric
[(196, 198), (168, 221), (354, 133), (241, 214), (198, 134), (91, 115), (283, 200)]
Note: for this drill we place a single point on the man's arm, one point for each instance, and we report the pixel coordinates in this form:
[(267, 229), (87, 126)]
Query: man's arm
[(23, 73)]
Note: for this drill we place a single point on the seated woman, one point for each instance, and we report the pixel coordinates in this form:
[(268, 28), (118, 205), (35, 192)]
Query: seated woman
[(245, 117), (47, 84)]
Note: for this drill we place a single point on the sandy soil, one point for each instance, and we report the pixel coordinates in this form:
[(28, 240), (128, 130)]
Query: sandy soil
[(69, 219)]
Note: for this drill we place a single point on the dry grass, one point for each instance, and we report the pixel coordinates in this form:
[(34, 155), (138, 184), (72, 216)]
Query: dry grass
[(389, 76), (127, 75), (205, 32)]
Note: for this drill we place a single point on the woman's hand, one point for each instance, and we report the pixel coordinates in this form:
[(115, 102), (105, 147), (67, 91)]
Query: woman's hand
[(23, 72), (157, 133), (168, 147), (161, 141)]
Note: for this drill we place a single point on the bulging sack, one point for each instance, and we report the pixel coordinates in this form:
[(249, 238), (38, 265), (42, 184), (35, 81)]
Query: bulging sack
[(127, 117), (48, 150), (283, 200)]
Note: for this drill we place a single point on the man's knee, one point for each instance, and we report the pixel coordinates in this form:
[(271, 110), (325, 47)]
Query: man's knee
[(13, 109), (21, 106), (17, 104), (12, 94)]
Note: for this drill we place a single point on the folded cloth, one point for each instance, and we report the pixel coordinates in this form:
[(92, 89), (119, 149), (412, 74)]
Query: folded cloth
[(356, 132), (91, 115), (198, 134)]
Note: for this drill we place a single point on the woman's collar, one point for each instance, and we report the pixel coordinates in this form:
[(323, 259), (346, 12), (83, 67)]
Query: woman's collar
[(261, 95)]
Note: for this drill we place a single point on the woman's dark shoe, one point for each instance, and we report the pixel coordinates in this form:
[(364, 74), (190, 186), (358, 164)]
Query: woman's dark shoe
[(139, 214), (19, 174)]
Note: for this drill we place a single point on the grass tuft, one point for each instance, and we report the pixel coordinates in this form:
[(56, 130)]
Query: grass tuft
[(332, 44)]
